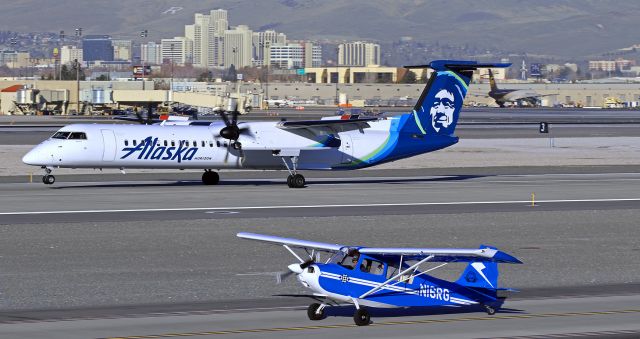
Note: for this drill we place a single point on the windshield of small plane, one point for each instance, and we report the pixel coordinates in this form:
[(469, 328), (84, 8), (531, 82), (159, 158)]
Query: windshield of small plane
[(347, 258), (70, 135)]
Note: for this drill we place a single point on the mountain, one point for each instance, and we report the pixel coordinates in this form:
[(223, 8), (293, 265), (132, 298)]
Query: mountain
[(565, 28)]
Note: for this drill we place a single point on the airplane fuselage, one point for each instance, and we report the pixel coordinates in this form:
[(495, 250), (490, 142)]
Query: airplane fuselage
[(200, 147)]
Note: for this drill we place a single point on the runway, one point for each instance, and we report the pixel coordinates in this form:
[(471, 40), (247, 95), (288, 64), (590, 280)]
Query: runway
[(117, 248), (155, 255), (245, 198), (609, 317)]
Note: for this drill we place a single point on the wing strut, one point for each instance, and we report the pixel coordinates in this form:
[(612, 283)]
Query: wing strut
[(294, 253), (377, 288)]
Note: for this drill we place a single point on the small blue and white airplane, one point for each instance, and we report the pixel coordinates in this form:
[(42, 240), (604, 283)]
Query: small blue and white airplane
[(332, 143), (390, 277)]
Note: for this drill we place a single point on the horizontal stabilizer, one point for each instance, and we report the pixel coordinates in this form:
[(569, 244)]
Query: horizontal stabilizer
[(458, 65)]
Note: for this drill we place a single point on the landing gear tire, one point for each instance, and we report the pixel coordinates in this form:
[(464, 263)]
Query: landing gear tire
[(361, 317), (210, 178), (290, 181), (297, 181), (313, 314), (490, 310), (48, 179)]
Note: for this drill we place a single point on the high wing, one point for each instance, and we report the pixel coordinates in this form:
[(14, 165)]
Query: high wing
[(445, 254), (326, 126), (291, 242)]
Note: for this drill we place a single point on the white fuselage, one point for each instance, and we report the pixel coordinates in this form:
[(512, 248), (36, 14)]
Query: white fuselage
[(199, 147)]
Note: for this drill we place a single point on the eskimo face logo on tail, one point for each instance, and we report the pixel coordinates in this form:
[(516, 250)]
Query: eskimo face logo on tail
[(442, 109), (150, 149), (442, 104)]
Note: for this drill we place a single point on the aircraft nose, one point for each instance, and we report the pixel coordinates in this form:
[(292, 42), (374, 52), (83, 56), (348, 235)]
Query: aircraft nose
[(295, 268), (33, 157)]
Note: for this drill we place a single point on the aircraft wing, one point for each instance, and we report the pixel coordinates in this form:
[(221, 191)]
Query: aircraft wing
[(445, 254), (291, 242), (327, 126)]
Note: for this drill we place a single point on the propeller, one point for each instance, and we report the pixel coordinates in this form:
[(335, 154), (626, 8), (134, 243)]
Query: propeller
[(293, 268), (231, 131)]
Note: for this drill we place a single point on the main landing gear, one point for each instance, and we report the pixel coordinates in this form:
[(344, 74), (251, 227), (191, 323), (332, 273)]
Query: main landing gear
[(48, 179), (361, 317), (295, 179), (210, 177), (316, 311)]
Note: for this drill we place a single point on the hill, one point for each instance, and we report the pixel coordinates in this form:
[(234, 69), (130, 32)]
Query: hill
[(566, 28)]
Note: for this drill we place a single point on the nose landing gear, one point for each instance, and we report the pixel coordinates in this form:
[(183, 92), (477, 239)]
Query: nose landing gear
[(48, 179)]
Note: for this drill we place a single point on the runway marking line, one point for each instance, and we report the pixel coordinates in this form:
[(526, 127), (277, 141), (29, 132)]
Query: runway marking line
[(184, 209), (386, 323)]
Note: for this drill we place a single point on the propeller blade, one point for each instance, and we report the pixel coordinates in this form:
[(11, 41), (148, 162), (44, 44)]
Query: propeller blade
[(281, 276), (307, 264), (225, 118), (234, 118), (226, 156)]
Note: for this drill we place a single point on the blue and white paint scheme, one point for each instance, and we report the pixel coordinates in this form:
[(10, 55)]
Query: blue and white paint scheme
[(391, 277), (327, 144)]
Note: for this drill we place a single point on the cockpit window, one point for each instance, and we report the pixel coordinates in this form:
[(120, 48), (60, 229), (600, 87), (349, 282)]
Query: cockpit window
[(61, 135), (70, 135), (78, 136)]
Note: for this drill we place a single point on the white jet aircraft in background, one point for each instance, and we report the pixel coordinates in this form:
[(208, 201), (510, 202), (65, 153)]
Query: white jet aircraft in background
[(328, 144)]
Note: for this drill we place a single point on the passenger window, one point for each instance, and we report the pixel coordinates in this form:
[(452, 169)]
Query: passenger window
[(195, 143), (165, 143), (371, 266), (202, 143), (392, 270), (210, 143), (173, 143), (217, 143), (126, 142), (135, 142)]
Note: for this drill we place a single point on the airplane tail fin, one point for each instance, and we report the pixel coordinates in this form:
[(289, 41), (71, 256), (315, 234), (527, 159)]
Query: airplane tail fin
[(480, 274), (492, 81), (438, 108)]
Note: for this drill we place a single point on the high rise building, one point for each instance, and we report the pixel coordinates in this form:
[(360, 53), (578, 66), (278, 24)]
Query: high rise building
[(122, 49), (358, 54), (207, 36), (70, 53), (238, 47), (150, 53), (175, 50), (295, 55), (97, 47), (262, 42)]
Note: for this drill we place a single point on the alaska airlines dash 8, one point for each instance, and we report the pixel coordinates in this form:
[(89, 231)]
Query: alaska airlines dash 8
[(331, 143)]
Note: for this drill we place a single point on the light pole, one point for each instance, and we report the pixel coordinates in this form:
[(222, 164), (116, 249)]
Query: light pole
[(76, 65), (144, 34), (337, 76), (60, 55), (171, 82), (13, 42), (266, 60)]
